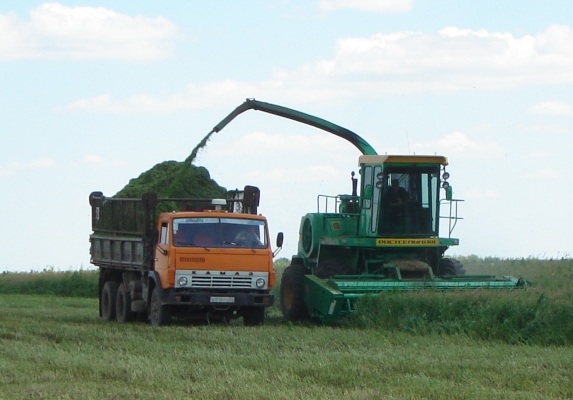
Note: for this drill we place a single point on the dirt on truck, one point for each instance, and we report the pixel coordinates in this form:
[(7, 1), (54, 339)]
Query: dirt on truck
[(205, 258)]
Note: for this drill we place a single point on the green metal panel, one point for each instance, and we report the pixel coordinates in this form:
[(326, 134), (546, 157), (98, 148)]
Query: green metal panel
[(391, 242), (324, 303), (336, 225), (328, 300), (361, 285)]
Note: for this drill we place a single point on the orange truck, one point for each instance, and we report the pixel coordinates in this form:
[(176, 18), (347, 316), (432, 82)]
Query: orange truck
[(168, 258)]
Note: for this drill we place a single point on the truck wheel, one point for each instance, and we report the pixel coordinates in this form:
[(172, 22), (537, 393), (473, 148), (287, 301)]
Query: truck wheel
[(254, 316), (159, 314), (450, 266), (123, 311), (108, 299), (292, 287)]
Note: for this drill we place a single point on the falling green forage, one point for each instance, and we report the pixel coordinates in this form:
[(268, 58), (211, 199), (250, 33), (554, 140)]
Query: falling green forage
[(199, 146)]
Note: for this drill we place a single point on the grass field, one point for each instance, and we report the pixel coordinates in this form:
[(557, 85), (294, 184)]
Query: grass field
[(55, 347), (542, 314)]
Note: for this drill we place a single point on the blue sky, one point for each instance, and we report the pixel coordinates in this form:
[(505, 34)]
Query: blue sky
[(93, 93)]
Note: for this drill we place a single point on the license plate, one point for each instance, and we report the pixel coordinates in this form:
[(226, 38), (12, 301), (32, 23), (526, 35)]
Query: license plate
[(222, 299)]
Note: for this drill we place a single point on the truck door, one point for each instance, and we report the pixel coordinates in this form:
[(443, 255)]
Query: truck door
[(162, 255)]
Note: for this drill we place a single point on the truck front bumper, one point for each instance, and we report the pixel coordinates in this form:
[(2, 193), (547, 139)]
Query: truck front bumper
[(218, 299)]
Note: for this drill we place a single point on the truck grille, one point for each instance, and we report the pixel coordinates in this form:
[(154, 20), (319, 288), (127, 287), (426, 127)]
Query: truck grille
[(214, 279), (206, 281)]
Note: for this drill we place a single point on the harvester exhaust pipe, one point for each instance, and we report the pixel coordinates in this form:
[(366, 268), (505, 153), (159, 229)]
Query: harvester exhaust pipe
[(354, 184)]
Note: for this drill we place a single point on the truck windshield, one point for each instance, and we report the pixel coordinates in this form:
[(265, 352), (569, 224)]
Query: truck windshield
[(219, 232)]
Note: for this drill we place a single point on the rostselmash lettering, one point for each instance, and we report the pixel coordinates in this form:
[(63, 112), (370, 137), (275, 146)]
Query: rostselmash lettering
[(407, 242)]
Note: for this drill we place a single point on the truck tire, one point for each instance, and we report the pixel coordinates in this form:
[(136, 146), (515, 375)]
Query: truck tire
[(292, 290), (450, 266), (159, 314), (254, 316), (108, 300), (123, 311)]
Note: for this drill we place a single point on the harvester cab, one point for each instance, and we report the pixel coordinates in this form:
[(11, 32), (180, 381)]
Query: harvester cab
[(384, 236), (393, 221)]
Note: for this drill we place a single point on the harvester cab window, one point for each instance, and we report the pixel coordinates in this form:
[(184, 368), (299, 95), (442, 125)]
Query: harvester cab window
[(409, 202), (377, 189), (395, 200), (367, 187)]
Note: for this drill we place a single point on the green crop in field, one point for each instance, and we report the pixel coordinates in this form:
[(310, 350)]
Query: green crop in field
[(542, 314), (57, 348)]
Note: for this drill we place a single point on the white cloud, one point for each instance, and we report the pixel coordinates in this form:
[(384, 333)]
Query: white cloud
[(55, 31), (15, 167), (486, 194), (98, 161), (544, 173), (383, 6), (314, 153), (538, 155), (304, 144), (552, 108), (47, 163), (92, 159), (460, 144), (192, 97), (400, 62), (298, 175), (456, 58)]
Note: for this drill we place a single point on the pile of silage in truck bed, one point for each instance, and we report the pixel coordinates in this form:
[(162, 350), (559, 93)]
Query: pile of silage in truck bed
[(174, 179)]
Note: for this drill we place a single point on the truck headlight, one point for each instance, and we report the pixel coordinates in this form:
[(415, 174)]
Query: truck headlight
[(260, 283), (183, 281)]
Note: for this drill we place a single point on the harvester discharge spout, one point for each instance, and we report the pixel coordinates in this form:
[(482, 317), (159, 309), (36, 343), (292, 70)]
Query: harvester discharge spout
[(289, 113)]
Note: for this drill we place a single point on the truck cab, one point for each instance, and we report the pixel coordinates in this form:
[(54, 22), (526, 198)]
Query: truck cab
[(202, 260)]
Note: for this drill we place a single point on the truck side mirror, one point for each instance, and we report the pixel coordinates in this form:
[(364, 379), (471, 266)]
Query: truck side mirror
[(280, 239)]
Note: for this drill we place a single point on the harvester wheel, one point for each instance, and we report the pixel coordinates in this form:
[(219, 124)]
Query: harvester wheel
[(108, 299), (292, 287), (331, 267), (450, 266)]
